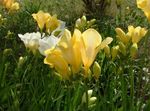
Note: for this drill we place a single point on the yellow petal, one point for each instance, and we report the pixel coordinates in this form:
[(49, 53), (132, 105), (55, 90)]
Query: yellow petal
[(105, 42), (41, 18), (52, 24), (55, 59), (70, 48), (141, 3), (91, 39)]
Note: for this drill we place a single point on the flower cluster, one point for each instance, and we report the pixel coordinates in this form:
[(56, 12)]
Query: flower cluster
[(128, 40), (37, 41), (10, 5), (72, 53), (48, 22)]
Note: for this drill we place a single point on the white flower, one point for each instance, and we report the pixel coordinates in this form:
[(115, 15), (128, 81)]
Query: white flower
[(31, 40), (47, 43)]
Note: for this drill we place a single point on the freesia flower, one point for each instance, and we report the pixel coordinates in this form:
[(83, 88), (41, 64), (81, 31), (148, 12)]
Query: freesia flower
[(31, 40), (70, 47), (145, 6), (11, 4), (81, 48), (50, 23), (41, 18), (34, 41), (47, 43), (91, 43), (55, 59)]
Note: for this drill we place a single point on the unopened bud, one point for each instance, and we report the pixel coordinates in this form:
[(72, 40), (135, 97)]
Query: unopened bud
[(7, 52), (107, 50), (133, 50), (92, 100), (89, 94), (96, 70), (91, 22), (21, 61), (122, 48), (83, 19), (78, 23), (114, 52)]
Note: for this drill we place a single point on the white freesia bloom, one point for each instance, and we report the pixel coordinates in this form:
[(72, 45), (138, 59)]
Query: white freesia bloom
[(31, 40), (47, 43), (34, 41)]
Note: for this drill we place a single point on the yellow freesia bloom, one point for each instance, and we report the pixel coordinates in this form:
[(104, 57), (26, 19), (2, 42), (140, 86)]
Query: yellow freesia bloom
[(136, 33), (55, 59), (10, 4), (91, 43), (121, 35), (145, 6), (41, 18), (52, 23), (70, 47)]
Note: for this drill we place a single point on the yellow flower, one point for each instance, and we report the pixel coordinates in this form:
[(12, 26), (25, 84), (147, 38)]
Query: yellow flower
[(55, 59), (52, 23), (122, 36), (91, 43), (136, 33), (145, 6), (70, 47), (10, 4), (41, 18)]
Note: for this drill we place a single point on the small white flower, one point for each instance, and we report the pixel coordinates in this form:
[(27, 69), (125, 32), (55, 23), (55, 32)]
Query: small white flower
[(31, 40), (47, 43)]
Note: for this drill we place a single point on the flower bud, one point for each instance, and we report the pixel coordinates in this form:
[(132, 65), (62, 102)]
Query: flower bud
[(107, 50), (122, 48), (92, 100), (114, 51), (21, 61), (91, 22), (133, 50), (96, 70), (83, 19), (7, 52)]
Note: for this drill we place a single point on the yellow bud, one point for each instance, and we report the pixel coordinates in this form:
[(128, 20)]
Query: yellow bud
[(133, 50), (107, 50), (122, 48), (114, 51), (96, 70)]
